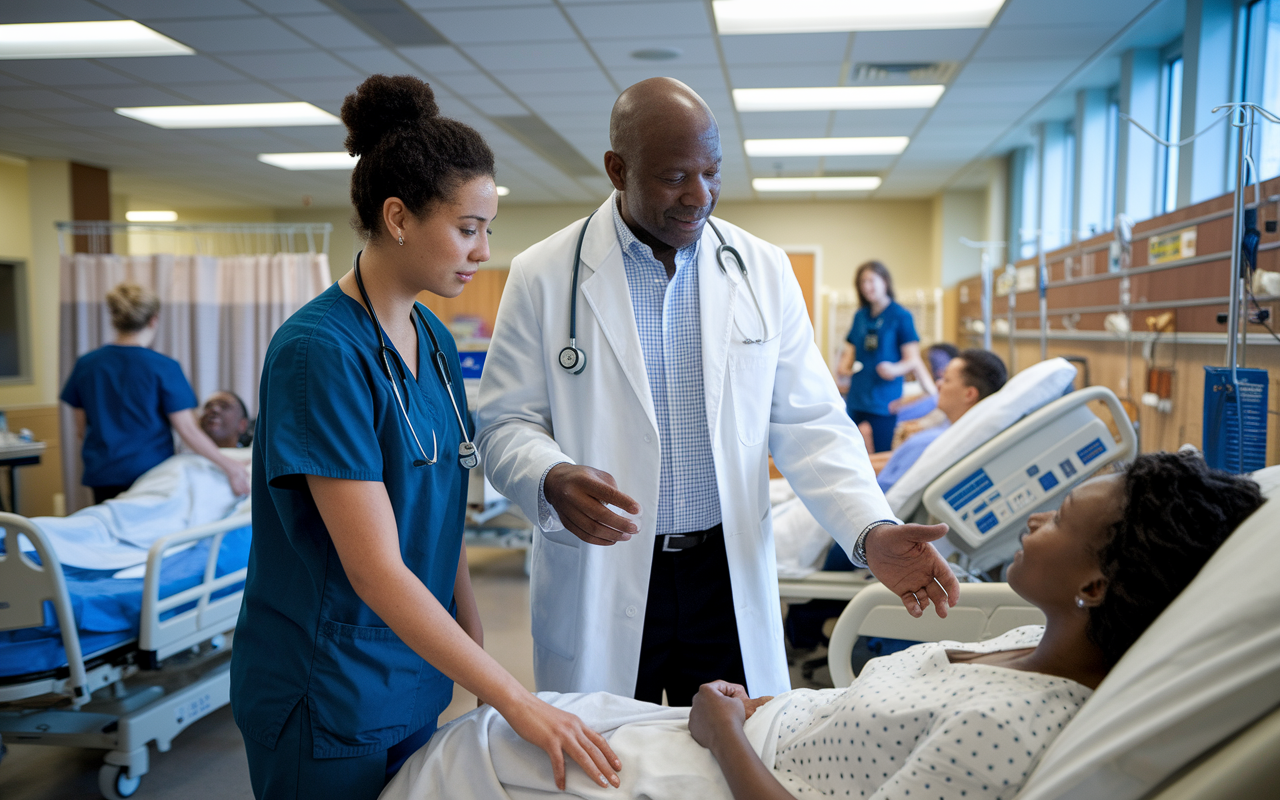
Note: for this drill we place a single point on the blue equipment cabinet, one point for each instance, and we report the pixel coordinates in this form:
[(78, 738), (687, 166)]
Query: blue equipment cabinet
[(1228, 444)]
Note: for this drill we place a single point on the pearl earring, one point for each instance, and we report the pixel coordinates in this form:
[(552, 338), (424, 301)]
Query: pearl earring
[(1079, 602)]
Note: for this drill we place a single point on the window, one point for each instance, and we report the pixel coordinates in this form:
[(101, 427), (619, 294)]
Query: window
[(1172, 130), (13, 323), (1110, 157), (1262, 80)]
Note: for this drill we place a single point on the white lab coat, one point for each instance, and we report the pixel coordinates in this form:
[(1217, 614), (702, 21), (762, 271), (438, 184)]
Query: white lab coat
[(588, 601)]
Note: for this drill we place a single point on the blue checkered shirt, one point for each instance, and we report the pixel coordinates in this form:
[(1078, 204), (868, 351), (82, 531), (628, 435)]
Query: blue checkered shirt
[(670, 327)]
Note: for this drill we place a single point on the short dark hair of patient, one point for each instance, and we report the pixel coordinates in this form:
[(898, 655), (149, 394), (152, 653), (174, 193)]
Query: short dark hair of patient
[(406, 149), (1177, 512), (983, 370)]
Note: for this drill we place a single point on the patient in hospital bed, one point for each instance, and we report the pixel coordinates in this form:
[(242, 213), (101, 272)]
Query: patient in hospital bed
[(942, 719), (181, 492)]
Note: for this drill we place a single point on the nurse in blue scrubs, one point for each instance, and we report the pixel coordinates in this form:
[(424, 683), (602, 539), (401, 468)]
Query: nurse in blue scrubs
[(358, 611)]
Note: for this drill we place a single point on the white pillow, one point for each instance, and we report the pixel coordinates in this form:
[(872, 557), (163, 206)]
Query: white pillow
[(1206, 668), (1025, 392)]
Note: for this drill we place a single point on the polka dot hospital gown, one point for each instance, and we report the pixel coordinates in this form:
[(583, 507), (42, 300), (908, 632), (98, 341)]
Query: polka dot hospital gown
[(914, 726)]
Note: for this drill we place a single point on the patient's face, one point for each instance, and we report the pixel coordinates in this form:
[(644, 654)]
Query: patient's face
[(954, 396), (222, 421), (1059, 552)]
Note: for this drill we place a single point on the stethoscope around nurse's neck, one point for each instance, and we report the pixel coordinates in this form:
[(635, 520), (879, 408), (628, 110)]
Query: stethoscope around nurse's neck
[(574, 360), (467, 457)]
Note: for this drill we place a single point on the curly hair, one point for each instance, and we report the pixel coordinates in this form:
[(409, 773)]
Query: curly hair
[(406, 149), (1177, 511)]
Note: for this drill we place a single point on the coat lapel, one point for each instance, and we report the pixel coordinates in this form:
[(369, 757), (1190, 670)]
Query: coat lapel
[(604, 286), (717, 294)]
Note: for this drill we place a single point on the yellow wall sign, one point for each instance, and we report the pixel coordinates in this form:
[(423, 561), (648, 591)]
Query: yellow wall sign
[(1171, 246)]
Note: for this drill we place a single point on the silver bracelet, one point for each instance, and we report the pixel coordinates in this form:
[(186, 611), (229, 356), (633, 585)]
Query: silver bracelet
[(860, 546)]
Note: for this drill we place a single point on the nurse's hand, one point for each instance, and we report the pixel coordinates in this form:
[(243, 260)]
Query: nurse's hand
[(560, 733), (901, 557), (579, 494)]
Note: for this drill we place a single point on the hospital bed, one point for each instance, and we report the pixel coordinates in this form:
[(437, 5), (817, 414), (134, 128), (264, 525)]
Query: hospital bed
[(1192, 710), (114, 663), (1018, 452)]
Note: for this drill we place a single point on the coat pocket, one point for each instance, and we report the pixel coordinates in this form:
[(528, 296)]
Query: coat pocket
[(751, 376), (553, 594), (363, 688)]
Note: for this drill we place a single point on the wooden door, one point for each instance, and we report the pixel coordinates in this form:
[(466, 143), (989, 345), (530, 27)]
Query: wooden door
[(480, 299), (803, 264)]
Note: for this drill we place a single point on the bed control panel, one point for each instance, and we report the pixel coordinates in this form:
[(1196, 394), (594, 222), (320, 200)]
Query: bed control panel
[(987, 497)]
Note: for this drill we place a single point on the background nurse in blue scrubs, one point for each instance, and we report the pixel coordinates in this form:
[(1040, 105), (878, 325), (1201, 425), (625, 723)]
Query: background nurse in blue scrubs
[(358, 610)]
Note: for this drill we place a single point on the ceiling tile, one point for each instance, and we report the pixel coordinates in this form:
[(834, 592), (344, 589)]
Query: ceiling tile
[(786, 48), (899, 47), (546, 56), (1034, 12), (238, 92), (439, 4), (856, 164), (982, 70), (480, 26), (237, 35), (285, 66), (19, 11), (377, 60), (291, 6), (984, 93), (92, 118), (16, 119), (694, 50), (65, 72), (1054, 41), (882, 122), (700, 79), (180, 69), (317, 91), (629, 20), (437, 59), (31, 99), (329, 30), (960, 112), (117, 96), (571, 107), (168, 9), (498, 106), (794, 124), (527, 84), (785, 75), (469, 84)]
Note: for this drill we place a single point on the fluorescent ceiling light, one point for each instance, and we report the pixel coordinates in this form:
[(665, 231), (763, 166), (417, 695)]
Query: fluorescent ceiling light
[(236, 115), (853, 146), (859, 183), (113, 39), (837, 98), (338, 160), (151, 216), (503, 191), (818, 16)]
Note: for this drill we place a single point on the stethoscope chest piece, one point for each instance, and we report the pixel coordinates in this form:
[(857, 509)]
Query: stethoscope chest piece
[(467, 455), (573, 360)]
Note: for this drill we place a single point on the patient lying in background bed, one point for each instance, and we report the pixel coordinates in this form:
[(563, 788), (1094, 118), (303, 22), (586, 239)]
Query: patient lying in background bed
[(937, 720)]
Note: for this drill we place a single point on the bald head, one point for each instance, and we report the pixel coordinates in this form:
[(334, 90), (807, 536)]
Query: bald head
[(658, 107), (665, 163)]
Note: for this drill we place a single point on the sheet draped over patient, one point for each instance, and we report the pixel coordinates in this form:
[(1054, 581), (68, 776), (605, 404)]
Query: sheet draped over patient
[(181, 492)]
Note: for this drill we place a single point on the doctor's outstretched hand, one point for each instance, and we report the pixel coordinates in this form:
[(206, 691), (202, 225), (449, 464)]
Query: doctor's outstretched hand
[(579, 494), (901, 557)]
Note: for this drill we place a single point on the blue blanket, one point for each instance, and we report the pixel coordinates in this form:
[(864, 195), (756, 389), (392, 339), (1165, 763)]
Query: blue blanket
[(107, 610)]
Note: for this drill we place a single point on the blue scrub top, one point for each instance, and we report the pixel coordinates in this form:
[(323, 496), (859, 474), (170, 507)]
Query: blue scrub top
[(326, 408), (868, 392), (127, 393), (907, 454)]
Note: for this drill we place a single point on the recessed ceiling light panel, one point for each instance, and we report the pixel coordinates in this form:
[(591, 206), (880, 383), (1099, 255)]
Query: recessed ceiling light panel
[(235, 115), (110, 39), (309, 161), (835, 183), (851, 146), (151, 216), (837, 98), (821, 16)]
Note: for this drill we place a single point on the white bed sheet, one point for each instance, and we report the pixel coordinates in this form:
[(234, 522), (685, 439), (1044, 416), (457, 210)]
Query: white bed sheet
[(1206, 668), (182, 492)]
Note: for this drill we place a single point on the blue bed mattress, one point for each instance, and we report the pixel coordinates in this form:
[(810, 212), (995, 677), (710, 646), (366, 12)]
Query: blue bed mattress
[(107, 610)]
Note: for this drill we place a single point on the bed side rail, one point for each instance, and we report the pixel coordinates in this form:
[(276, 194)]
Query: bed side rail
[(158, 639), (26, 586)]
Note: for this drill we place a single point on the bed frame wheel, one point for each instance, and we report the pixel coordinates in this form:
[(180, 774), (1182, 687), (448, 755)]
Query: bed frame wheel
[(116, 783)]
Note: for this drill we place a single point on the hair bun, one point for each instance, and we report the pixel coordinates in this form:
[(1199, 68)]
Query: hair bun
[(383, 104)]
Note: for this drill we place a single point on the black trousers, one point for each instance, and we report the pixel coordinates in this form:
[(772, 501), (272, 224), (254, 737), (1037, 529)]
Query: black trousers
[(690, 630)]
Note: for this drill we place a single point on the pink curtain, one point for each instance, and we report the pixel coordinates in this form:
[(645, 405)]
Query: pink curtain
[(217, 316)]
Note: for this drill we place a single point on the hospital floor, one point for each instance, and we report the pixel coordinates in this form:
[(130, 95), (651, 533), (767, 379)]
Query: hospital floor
[(207, 760)]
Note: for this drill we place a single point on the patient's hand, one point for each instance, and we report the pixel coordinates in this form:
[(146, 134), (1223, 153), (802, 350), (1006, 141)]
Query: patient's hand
[(901, 557), (238, 476), (719, 709)]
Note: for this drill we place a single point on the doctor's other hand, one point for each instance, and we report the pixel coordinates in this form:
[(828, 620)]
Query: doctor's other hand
[(901, 557), (560, 733), (579, 494)]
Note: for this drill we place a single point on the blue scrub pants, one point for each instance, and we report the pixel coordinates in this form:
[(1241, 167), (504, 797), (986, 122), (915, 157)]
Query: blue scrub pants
[(290, 772), (882, 426)]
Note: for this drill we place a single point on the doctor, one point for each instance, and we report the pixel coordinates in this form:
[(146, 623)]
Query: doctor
[(659, 386)]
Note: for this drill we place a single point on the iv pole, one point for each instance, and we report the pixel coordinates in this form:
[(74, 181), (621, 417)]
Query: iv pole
[(987, 288)]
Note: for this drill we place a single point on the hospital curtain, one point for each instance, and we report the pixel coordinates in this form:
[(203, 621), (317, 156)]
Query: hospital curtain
[(217, 316)]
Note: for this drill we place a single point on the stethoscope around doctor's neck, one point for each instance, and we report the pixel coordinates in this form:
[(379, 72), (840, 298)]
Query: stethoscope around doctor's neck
[(573, 359), (467, 457)]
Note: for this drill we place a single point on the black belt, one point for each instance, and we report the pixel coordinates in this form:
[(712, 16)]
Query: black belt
[(675, 542)]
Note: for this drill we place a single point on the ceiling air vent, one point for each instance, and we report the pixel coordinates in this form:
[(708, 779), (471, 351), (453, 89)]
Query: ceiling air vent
[(895, 73)]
